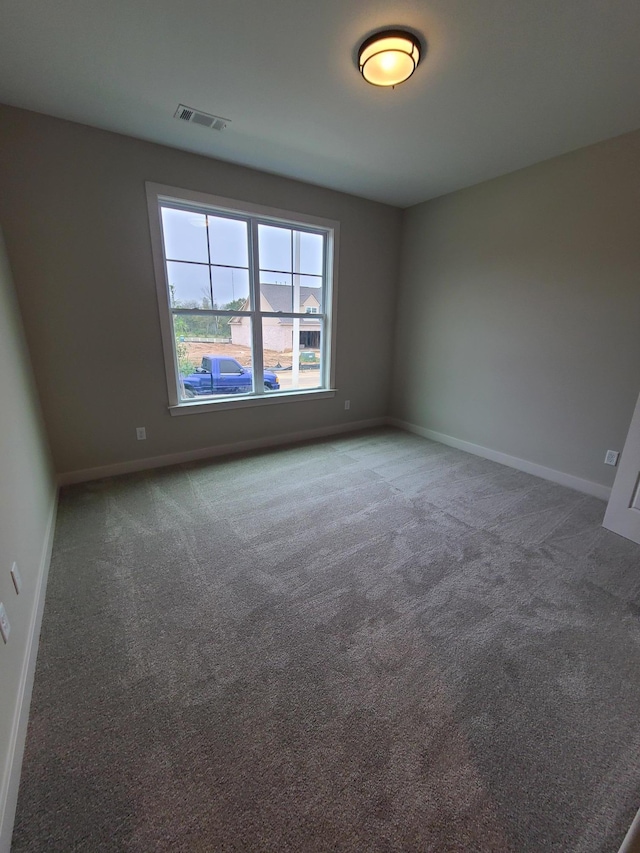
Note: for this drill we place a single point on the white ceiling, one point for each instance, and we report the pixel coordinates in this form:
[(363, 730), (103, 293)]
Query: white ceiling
[(505, 83)]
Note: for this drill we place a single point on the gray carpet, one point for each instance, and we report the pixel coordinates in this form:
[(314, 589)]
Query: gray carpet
[(374, 643)]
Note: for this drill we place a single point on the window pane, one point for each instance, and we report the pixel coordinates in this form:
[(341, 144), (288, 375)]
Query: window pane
[(274, 248), (311, 253), (230, 288), (276, 292), (185, 235), (287, 364), (228, 242), (189, 285), (214, 355)]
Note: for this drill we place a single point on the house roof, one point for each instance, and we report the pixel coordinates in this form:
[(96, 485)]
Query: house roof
[(279, 295)]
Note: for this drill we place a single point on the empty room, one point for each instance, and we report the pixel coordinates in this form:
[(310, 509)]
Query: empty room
[(320, 426)]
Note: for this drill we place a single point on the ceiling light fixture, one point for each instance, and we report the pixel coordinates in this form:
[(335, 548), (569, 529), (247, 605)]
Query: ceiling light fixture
[(389, 57)]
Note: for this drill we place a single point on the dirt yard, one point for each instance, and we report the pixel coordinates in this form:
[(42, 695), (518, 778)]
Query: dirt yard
[(272, 359)]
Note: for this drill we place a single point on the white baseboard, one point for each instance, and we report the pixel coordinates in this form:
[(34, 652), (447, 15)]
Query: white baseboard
[(11, 781), (587, 486), (133, 465)]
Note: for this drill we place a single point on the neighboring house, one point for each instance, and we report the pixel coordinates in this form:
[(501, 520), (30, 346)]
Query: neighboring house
[(277, 332)]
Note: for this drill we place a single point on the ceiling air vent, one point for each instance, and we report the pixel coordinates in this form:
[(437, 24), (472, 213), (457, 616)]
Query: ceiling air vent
[(203, 119)]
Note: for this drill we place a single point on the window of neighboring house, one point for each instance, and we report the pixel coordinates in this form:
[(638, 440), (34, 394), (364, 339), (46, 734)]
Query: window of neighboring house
[(233, 284)]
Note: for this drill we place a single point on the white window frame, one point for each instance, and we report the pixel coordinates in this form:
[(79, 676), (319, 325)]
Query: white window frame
[(157, 194)]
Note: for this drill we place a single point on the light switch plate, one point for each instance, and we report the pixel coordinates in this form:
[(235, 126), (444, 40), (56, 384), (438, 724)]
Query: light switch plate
[(5, 628), (16, 578), (611, 457)]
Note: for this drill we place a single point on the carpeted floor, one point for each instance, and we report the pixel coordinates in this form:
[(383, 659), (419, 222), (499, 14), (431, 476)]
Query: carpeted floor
[(374, 643)]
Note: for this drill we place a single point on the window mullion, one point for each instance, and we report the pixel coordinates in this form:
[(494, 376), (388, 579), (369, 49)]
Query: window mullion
[(325, 352), (256, 324), (295, 336), (208, 312), (206, 219)]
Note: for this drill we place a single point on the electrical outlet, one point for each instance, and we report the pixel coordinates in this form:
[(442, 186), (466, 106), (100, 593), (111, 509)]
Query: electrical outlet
[(611, 457), (16, 578), (5, 628), (141, 433), (347, 405)]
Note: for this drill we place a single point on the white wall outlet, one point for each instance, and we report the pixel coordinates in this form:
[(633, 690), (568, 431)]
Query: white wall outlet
[(5, 628), (611, 457), (347, 405), (16, 578), (141, 433)]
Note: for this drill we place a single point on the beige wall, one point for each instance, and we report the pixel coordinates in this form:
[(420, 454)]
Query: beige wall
[(519, 322), (73, 207), (26, 500), (518, 307)]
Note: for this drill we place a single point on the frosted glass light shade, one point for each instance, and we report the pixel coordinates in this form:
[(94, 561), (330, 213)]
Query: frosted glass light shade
[(389, 57)]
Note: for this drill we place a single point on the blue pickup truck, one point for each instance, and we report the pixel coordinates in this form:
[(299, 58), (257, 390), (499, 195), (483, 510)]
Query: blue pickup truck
[(223, 375)]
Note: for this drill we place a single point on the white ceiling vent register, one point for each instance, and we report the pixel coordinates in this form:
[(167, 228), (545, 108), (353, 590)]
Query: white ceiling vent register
[(198, 117)]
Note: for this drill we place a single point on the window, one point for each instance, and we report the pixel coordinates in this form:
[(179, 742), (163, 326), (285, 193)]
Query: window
[(246, 298)]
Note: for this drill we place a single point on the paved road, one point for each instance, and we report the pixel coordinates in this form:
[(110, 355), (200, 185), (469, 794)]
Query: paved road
[(306, 379)]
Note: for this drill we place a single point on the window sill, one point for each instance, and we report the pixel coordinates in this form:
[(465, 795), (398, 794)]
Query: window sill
[(197, 406)]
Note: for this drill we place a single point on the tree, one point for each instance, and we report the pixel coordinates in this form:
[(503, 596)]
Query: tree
[(181, 331)]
